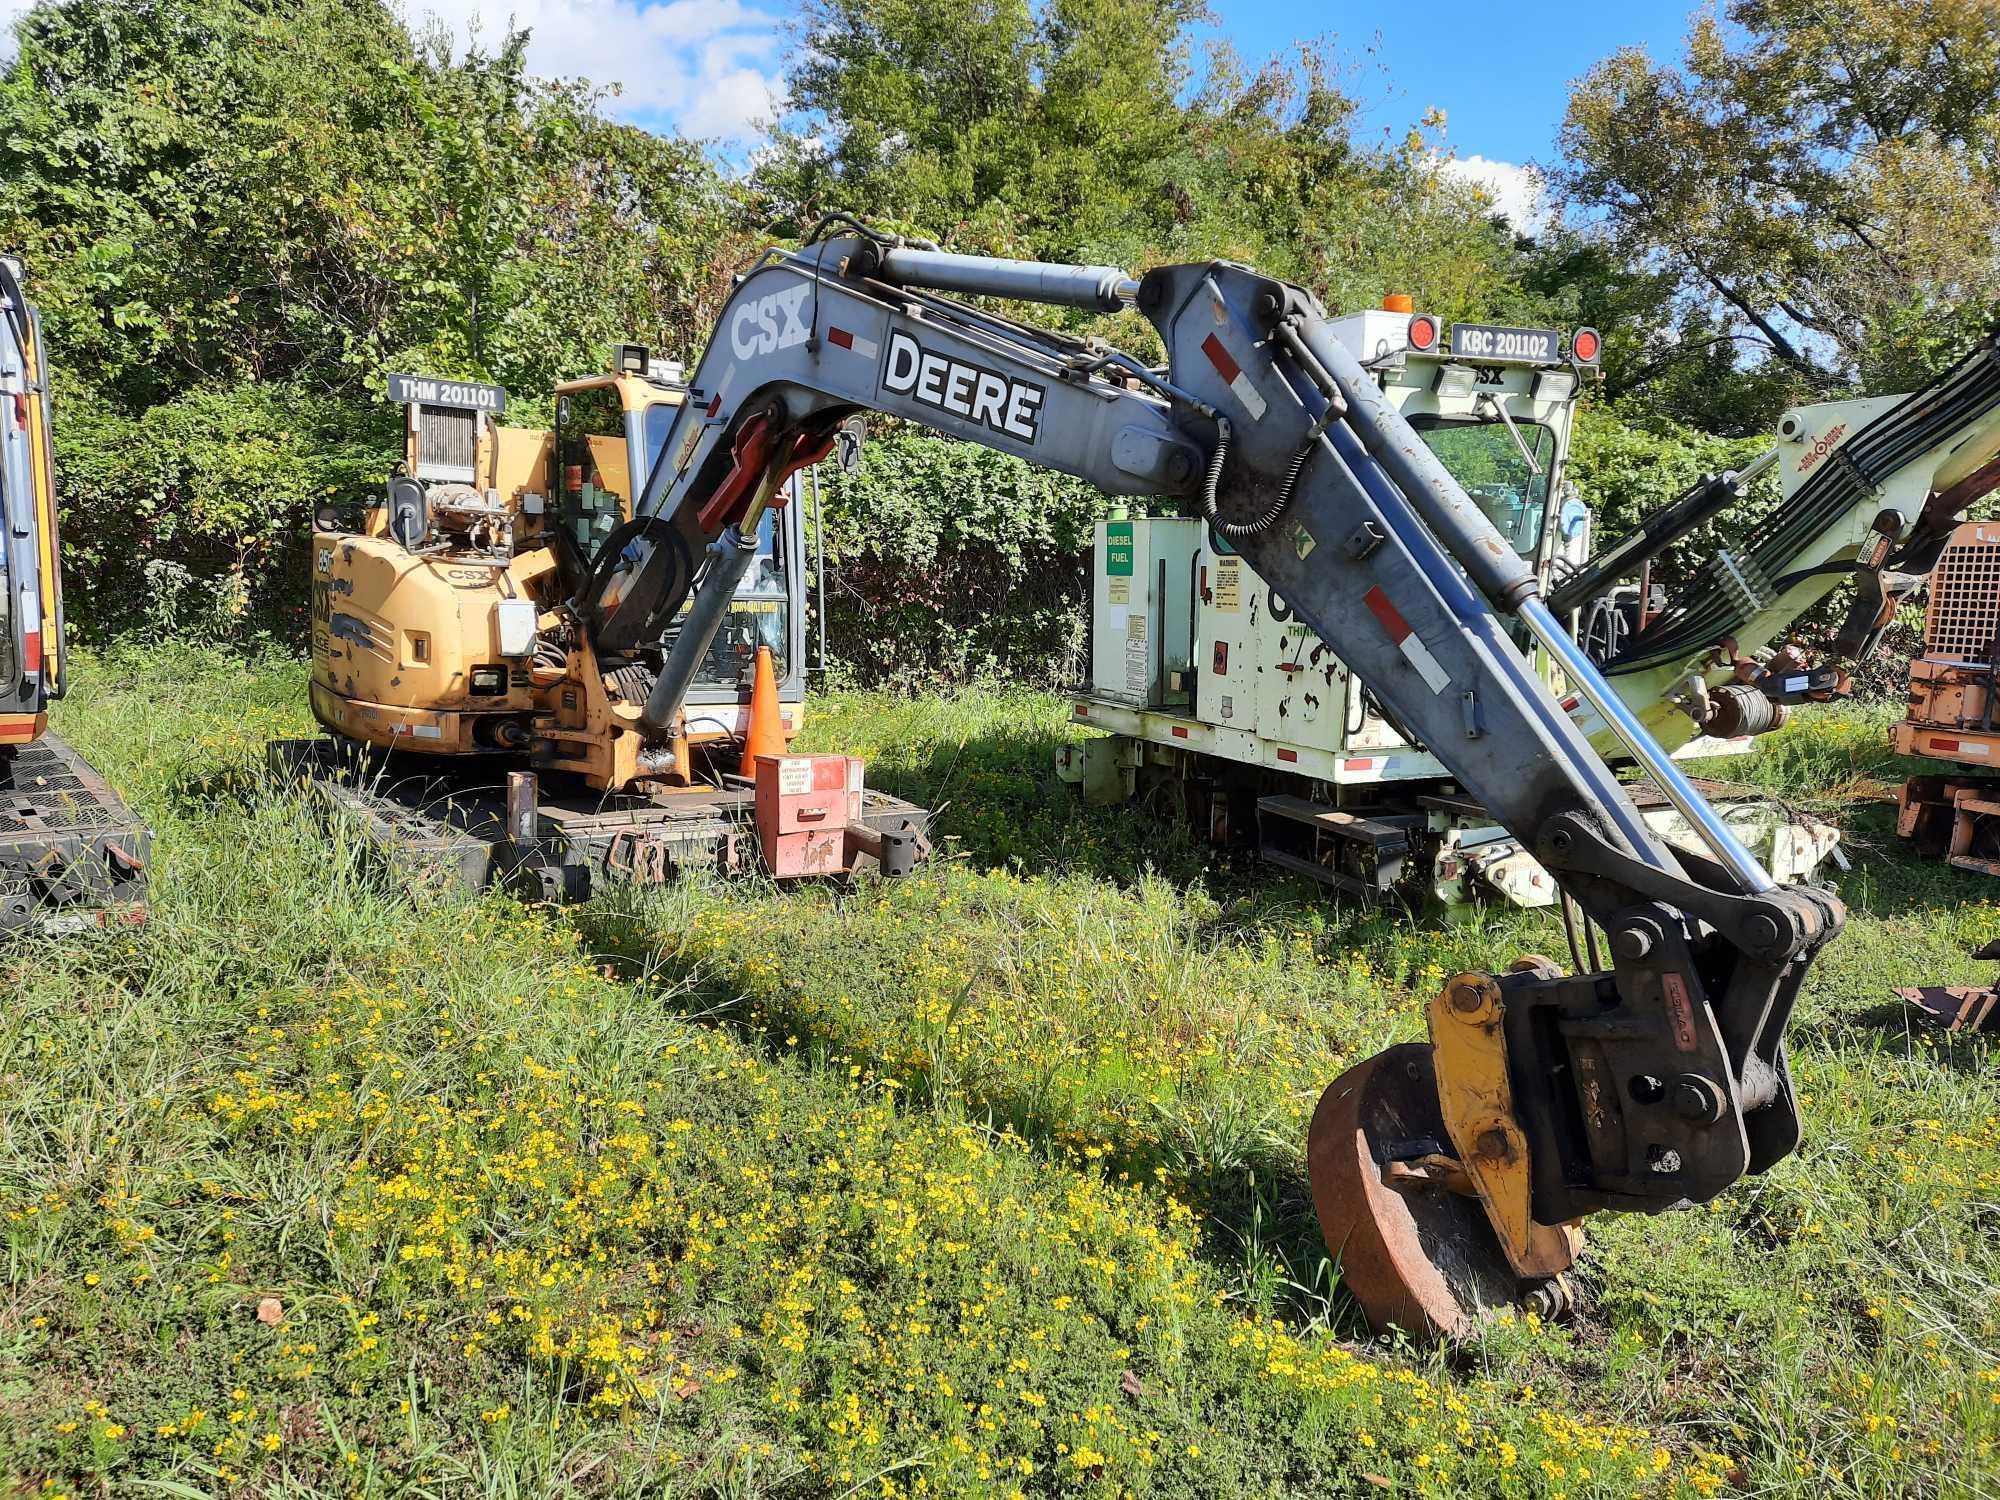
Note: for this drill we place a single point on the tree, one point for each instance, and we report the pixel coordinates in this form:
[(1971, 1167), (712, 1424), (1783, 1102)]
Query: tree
[(1668, 359), (1814, 177), (1086, 130), (301, 189), (238, 214)]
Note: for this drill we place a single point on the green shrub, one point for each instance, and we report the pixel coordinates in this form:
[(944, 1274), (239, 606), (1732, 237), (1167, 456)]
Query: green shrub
[(947, 562), (193, 518)]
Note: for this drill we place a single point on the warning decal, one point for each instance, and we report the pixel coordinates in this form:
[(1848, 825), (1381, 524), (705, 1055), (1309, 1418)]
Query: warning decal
[(1229, 584)]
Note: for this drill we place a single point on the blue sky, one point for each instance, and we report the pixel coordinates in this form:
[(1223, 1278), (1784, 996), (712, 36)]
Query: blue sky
[(1501, 73)]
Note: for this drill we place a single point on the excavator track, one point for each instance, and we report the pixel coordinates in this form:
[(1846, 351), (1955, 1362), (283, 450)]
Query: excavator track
[(446, 823), (71, 853)]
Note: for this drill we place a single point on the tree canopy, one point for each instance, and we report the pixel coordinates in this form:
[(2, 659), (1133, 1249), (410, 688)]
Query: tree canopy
[(1815, 177), (1097, 130)]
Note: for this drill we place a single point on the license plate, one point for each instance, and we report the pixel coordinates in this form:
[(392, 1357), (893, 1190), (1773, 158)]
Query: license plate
[(1489, 343)]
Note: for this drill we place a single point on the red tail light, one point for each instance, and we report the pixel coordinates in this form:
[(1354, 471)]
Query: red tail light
[(1423, 333), (1586, 345), (21, 410)]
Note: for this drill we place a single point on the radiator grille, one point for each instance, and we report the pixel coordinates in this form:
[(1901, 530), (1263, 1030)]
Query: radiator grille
[(446, 439), (1964, 615)]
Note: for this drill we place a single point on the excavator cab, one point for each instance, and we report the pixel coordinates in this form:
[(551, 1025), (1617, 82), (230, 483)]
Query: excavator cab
[(610, 430)]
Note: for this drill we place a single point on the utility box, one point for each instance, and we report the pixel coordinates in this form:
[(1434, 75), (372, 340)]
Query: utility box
[(804, 805), (1373, 333), (1142, 610)]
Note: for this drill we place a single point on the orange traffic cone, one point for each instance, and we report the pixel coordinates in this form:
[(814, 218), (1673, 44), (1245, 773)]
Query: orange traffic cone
[(767, 726)]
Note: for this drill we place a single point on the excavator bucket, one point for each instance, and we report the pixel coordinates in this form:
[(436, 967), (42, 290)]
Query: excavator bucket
[(1412, 1239), (1955, 1007)]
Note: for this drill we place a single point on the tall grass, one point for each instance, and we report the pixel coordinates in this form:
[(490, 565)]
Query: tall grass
[(983, 1183)]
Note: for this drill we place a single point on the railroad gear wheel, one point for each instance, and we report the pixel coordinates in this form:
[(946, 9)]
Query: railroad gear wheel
[(1412, 1240)]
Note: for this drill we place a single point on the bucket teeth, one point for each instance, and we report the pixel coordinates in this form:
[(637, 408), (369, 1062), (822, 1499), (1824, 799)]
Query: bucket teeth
[(1414, 1249)]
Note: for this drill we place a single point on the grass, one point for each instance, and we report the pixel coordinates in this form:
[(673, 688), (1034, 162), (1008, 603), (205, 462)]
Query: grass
[(987, 1182)]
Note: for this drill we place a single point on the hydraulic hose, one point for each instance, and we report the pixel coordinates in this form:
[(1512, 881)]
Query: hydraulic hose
[(1238, 531)]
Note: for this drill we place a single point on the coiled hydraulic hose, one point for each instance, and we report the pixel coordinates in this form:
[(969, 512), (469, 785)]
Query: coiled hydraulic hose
[(1237, 531)]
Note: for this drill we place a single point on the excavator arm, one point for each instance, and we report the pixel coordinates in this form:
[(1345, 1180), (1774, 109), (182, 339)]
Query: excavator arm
[(1447, 1178), (1872, 489)]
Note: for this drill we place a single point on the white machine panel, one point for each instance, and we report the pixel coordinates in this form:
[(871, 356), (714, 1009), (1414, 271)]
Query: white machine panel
[(1269, 675), (1143, 585), (1226, 690)]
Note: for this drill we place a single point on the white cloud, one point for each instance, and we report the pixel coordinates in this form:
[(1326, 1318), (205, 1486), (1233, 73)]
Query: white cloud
[(704, 67), (1519, 194)]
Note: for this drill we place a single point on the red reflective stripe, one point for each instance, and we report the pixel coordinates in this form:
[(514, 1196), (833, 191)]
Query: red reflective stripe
[(1180, 732), (1288, 755), (841, 337), (1385, 612), (1083, 711), (1943, 744), (1220, 357), (31, 651), (715, 405), (1358, 763)]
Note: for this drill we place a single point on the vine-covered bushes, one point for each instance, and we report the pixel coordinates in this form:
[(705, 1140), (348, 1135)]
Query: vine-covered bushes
[(194, 517), (948, 561)]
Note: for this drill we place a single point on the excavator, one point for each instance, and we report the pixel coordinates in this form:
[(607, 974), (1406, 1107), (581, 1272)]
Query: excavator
[(1450, 1176), (71, 853), (483, 732), (1871, 489)]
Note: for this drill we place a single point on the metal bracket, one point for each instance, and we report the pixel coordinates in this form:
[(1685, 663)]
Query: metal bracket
[(1476, 1099)]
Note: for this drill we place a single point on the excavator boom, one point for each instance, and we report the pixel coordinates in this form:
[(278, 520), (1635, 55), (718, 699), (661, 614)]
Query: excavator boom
[(1448, 1179)]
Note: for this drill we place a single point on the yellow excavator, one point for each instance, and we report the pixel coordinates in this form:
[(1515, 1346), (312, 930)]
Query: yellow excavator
[(71, 853), (479, 723), (1450, 1176)]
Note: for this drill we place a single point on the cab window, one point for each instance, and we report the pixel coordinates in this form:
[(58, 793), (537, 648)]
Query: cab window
[(760, 615), (590, 465), (659, 422), (1486, 461)]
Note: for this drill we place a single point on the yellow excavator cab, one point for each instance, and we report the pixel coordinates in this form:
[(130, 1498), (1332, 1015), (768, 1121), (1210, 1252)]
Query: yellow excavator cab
[(436, 624)]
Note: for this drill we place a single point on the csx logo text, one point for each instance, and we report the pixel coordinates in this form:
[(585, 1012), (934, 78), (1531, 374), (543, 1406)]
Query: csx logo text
[(756, 328)]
